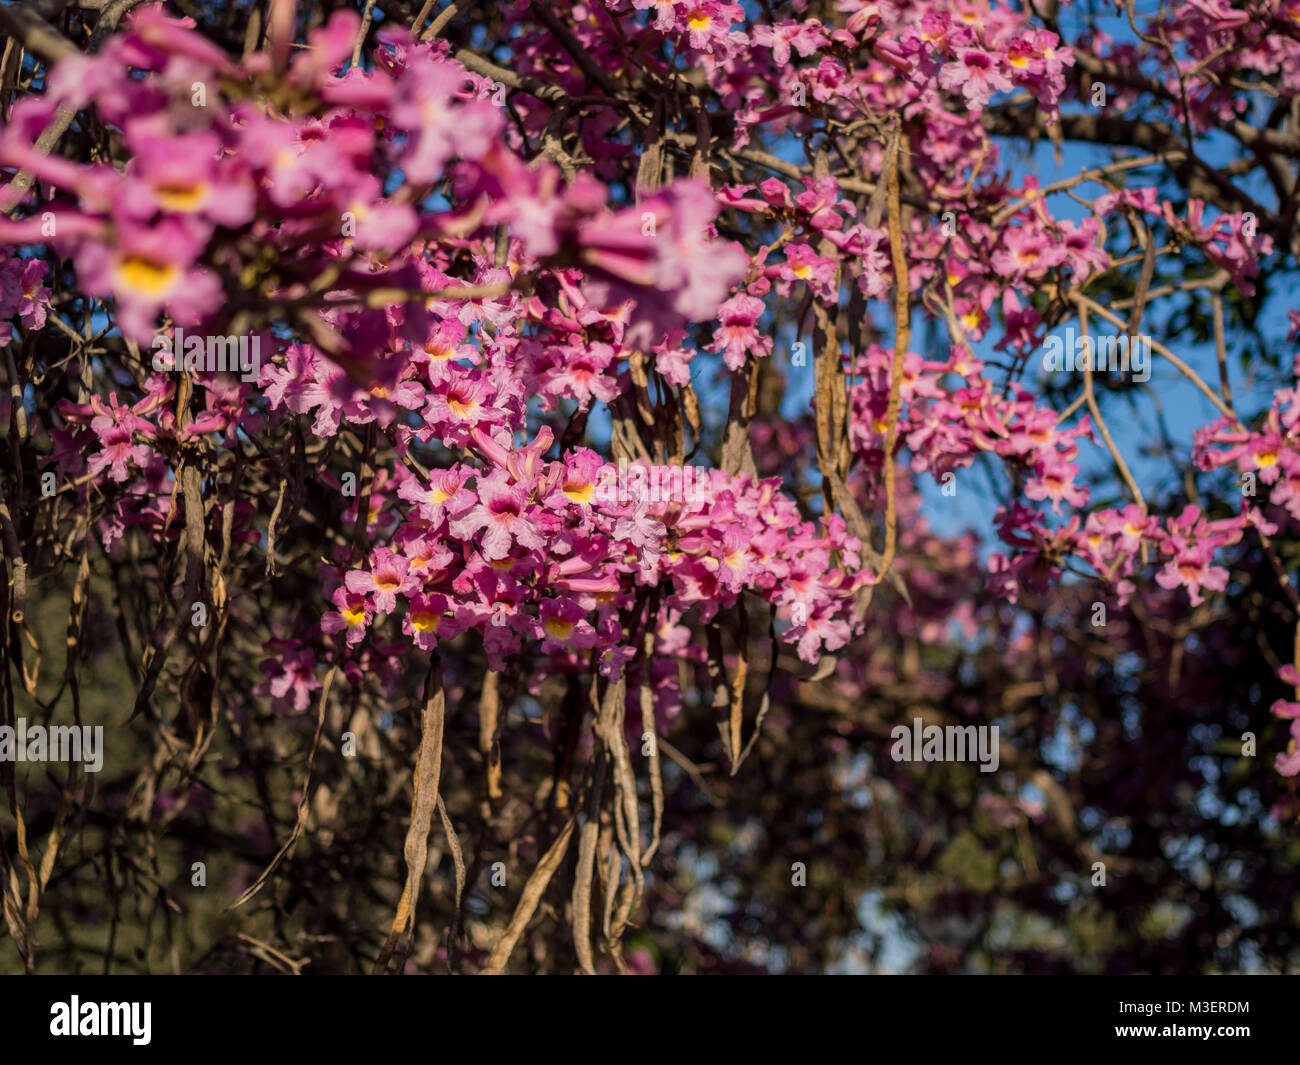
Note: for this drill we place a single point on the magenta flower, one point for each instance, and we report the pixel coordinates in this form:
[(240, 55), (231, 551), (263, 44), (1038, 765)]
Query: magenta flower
[(353, 616), (820, 631), (374, 223), (1289, 764), (116, 426), (1262, 454), (119, 449), (182, 175), (502, 514), (441, 350), (1024, 60), (157, 39), (458, 404), (804, 264), (707, 22), (292, 678), (776, 192), (1028, 252), (734, 564), (24, 292), (445, 498), (292, 158), (582, 373), (148, 270), (698, 270), (977, 74), (426, 618), (738, 334), (386, 577), (641, 528), (734, 196), (1056, 482), (664, 12), (579, 481), (1219, 14), (805, 37), (565, 627), (820, 201), (426, 558), (439, 126), (1131, 525), (1190, 568), (674, 270)]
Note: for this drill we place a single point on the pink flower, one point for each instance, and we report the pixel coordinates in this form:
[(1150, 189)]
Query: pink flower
[(738, 332), (565, 627), (116, 426), (707, 22), (386, 577), (33, 296), (181, 175), (446, 496), (673, 269), (156, 39), (503, 515), (1285, 709), (426, 618), (439, 126), (820, 631), (978, 74), (373, 223), (734, 196), (441, 350), (776, 192), (1288, 764), (1220, 15), (579, 481), (664, 12), (458, 404), (1028, 253), (292, 677), (353, 615), (820, 201), (1191, 569), (118, 450), (804, 264), (1056, 482), (1081, 246), (291, 158), (582, 373), (804, 37), (734, 561), (148, 270)]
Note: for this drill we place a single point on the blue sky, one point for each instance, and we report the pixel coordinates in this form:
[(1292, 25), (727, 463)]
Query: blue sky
[(1132, 415)]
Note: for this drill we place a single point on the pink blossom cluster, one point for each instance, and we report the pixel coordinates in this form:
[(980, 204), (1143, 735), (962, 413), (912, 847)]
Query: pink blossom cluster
[(1288, 763), (944, 428), (1267, 458), (214, 185), (22, 293), (525, 550), (1215, 38), (522, 549), (415, 282)]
